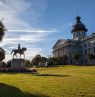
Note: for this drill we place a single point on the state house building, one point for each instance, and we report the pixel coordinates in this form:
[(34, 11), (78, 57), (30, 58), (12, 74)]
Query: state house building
[(81, 43)]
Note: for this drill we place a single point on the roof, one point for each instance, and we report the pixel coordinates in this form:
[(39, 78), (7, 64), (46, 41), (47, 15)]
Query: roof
[(92, 36), (79, 26), (62, 41), (59, 42)]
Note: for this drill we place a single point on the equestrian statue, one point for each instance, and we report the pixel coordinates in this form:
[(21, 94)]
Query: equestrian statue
[(19, 51)]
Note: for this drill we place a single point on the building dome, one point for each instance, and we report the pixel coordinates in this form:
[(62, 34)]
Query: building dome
[(79, 26)]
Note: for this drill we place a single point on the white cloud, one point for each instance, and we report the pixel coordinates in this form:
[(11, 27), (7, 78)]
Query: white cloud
[(27, 30), (10, 10), (19, 16)]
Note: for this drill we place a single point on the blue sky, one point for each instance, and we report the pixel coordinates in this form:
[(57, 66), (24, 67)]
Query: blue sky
[(38, 24)]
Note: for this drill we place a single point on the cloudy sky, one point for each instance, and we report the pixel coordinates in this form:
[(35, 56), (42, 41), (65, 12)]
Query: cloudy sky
[(38, 24)]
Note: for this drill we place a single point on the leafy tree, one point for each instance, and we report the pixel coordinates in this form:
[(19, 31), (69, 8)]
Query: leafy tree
[(58, 60), (4, 65), (27, 63), (65, 59), (2, 30), (43, 61), (2, 54), (91, 57), (36, 60), (76, 57), (9, 63), (53, 61), (50, 62)]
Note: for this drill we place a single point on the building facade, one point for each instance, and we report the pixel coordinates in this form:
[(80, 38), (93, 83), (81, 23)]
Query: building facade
[(80, 44)]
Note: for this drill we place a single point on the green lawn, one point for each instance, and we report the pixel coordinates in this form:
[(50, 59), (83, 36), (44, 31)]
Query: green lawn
[(67, 81)]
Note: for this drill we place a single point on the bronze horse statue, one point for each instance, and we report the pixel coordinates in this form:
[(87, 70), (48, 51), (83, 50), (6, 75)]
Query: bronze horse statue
[(19, 51)]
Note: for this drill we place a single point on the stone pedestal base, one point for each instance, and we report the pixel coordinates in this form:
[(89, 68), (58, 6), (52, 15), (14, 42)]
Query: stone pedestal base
[(18, 63)]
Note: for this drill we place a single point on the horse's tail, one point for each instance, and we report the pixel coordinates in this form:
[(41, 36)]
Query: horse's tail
[(11, 51)]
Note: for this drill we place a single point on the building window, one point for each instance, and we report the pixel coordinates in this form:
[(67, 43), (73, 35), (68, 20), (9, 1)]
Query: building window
[(81, 61), (94, 49), (81, 47), (93, 43), (82, 53), (89, 44), (89, 50), (85, 60), (70, 61), (85, 45), (74, 47), (85, 52)]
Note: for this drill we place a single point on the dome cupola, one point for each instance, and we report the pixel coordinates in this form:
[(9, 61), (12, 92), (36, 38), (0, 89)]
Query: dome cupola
[(79, 30), (79, 26)]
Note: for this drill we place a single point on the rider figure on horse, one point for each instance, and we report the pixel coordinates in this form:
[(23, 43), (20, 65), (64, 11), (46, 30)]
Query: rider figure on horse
[(19, 47)]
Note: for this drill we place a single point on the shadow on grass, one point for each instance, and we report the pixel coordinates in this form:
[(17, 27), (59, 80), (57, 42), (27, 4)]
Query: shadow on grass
[(87, 65), (55, 75), (82, 65), (11, 91), (35, 74), (17, 73)]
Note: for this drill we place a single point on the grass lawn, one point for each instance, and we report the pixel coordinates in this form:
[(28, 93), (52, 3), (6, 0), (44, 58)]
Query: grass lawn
[(67, 81)]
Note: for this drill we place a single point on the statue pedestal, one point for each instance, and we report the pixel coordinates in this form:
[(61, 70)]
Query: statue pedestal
[(18, 63)]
